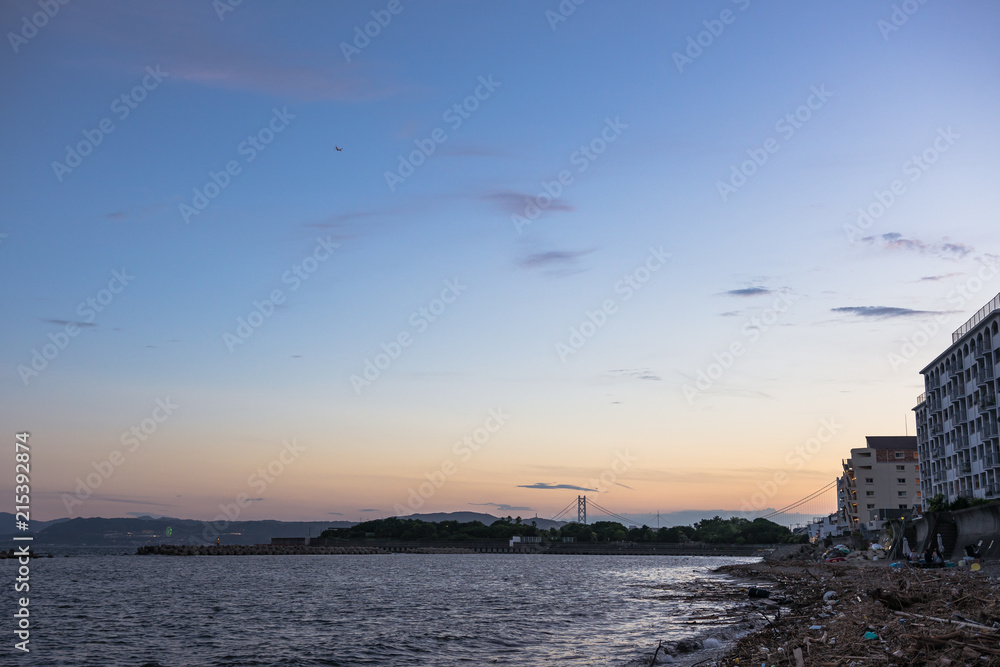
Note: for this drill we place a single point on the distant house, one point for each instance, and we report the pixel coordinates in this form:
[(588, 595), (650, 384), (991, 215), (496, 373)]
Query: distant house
[(824, 526), (880, 481), (519, 540)]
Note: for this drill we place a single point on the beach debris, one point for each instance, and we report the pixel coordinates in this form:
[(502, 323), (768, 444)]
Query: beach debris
[(757, 592), (882, 615)]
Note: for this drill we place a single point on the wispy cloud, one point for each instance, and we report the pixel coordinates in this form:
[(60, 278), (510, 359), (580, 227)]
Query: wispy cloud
[(636, 373), (730, 313), (63, 323), (944, 249), (944, 276), (548, 486), (335, 513), (370, 509), (504, 507), (553, 259), (883, 312), (510, 201), (185, 41), (748, 291)]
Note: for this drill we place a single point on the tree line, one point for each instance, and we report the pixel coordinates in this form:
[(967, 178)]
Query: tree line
[(713, 531)]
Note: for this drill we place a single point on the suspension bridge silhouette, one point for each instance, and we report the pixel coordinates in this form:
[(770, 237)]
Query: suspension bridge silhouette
[(821, 502)]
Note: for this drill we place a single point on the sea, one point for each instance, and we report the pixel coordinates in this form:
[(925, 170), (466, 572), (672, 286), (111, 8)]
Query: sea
[(102, 609)]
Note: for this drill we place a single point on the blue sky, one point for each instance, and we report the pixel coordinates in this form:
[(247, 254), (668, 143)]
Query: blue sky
[(833, 103)]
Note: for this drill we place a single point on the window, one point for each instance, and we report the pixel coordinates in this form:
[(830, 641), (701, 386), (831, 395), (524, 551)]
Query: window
[(900, 455), (871, 506), (901, 480), (869, 480), (869, 493), (900, 468), (901, 494), (902, 507)]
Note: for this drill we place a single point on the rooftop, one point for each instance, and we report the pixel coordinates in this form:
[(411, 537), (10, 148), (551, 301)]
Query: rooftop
[(891, 441), (981, 315)]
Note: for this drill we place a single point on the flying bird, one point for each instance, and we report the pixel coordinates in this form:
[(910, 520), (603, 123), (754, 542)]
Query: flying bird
[(338, 147)]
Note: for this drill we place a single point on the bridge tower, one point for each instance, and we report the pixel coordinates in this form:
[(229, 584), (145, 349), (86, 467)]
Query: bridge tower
[(581, 509)]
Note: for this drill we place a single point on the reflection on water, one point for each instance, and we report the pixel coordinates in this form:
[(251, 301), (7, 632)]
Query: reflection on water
[(398, 609)]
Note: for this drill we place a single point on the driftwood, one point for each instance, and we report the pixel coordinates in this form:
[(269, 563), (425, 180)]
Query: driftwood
[(962, 624)]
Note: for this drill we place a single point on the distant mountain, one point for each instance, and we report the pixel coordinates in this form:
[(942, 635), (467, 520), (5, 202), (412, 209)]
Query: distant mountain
[(487, 519), (8, 526), (147, 530)]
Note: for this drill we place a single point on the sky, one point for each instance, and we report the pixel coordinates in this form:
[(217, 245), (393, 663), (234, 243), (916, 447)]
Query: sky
[(314, 261)]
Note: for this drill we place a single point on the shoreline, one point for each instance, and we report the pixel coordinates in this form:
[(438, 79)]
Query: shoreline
[(833, 613)]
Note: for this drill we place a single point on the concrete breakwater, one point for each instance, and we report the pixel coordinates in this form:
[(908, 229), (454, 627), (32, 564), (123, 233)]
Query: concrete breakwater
[(249, 550)]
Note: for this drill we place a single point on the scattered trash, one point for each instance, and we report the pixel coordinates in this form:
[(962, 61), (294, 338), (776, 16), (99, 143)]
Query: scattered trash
[(830, 595), (871, 635), (756, 592), (815, 627)]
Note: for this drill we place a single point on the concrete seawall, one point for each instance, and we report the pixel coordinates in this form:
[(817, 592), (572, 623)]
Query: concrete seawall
[(960, 528)]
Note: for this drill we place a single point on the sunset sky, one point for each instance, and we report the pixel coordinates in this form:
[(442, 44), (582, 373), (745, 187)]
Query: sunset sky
[(617, 249)]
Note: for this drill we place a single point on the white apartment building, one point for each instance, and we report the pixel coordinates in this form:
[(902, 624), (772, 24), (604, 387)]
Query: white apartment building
[(957, 413), (880, 481)]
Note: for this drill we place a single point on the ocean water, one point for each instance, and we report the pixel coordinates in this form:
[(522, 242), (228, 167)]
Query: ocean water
[(401, 609)]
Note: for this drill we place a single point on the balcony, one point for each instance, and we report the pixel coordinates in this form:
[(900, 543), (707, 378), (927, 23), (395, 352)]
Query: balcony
[(962, 442), (985, 375), (921, 398), (937, 452), (988, 461), (987, 401), (991, 490), (937, 428), (965, 467), (989, 430)]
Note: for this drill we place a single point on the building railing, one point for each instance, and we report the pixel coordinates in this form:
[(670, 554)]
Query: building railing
[(980, 315), (965, 467), (991, 490), (921, 398)]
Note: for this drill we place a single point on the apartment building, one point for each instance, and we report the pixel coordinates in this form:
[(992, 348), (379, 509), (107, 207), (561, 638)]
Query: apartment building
[(957, 414), (880, 481)]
